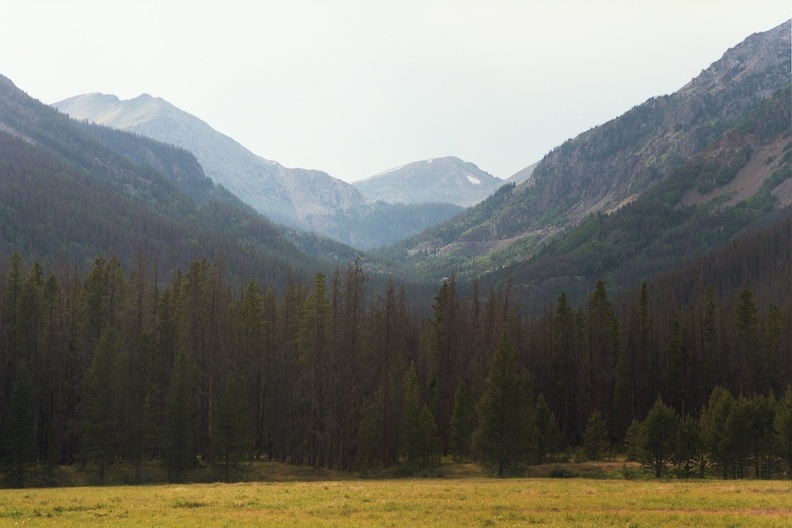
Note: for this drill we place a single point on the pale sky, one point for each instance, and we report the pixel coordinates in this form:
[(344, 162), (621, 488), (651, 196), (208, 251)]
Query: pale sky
[(355, 87)]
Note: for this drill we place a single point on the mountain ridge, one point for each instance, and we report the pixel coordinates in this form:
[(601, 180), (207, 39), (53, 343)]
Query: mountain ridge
[(610, 165), (300, 198)]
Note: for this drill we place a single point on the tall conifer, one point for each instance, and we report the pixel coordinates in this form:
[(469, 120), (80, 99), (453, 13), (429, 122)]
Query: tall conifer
[(505, 418)]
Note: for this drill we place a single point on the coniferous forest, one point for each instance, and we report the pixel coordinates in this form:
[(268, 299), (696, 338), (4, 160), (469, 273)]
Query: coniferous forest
[(124, 366)]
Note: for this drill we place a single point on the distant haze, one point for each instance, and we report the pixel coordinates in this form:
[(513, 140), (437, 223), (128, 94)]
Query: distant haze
[(355, 88)]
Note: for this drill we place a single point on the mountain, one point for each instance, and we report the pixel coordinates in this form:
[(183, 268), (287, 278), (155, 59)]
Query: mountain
[(305, 199), (608, 167), (266, 185), (441, 180), (72, 191), (740, 183)]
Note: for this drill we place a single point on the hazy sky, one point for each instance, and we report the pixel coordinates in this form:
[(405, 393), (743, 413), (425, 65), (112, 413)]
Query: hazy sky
[(357, 87)]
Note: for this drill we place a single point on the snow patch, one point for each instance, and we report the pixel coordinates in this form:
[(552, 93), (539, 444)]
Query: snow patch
[(473, 180)]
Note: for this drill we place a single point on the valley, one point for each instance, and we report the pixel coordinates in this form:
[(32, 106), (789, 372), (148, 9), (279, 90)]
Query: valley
[(172, 302)]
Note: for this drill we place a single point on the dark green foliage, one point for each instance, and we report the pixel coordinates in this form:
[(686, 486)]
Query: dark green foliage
[(321, 372), (18, 440), (231, 432), (659, 437), (782, 425), (595, 438), (419, 430), (179, 429), (634, 441), (689, 447), (547, 434), (463, 423), (102, 404), (505, 417), (761, 413)]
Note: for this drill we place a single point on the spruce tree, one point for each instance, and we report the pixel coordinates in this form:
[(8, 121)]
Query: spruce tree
[(505, 418)]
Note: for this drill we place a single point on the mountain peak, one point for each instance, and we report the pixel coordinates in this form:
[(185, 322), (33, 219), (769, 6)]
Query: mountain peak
[(441, 180)]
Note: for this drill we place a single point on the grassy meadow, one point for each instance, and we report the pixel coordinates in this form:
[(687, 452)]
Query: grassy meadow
[(409, 502)]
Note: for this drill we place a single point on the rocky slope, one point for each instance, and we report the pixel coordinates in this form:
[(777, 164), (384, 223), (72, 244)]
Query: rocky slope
[(438, 180), (611, 165)]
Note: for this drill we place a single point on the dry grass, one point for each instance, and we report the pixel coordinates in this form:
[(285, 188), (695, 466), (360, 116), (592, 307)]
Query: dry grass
[(431, 502)]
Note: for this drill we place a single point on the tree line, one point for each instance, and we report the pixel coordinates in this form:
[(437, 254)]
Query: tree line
[(116, 365)]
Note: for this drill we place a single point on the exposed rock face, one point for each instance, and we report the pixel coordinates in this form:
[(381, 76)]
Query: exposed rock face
[(438, 180)]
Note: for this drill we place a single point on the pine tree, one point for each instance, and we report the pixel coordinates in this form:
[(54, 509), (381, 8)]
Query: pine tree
[(679, 357), (782, 424), (567, 339), (419, 430), (446, 352), (369, 454), (604, 342), (463, 423), (18, 440), (102, 409), (689, 449), (595, 438), (231, 438), (505, 418), (180, 423), (548, 433), (634, 441), (747, 360), (714, 419), (314, 340), (659, 435), (761, 412)]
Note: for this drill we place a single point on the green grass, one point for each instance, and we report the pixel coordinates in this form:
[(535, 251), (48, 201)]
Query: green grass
[(429, 502)]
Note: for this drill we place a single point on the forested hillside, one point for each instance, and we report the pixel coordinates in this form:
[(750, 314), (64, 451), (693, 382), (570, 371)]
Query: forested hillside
[(71, 190), (740, 180)]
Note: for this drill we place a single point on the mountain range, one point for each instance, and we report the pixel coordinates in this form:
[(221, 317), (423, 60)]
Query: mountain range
[(669, 180), (305, 199)]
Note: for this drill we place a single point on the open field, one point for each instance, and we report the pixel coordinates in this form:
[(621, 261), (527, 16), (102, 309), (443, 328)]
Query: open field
[(429, 502)]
